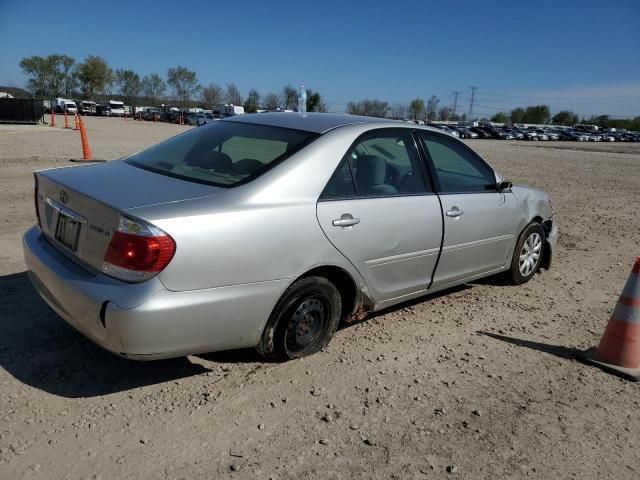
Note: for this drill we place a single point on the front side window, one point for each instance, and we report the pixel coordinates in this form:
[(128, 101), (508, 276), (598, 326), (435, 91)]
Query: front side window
[(222, 153), (458, 170)]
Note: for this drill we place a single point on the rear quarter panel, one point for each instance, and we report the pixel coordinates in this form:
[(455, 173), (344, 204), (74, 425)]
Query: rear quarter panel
[(262, 231)]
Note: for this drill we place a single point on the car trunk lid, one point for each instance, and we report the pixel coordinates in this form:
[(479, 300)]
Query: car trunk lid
[(80, 207)]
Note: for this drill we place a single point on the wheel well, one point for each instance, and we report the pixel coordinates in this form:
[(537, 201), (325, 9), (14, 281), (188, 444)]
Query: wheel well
[(342, 281), (546, 252)]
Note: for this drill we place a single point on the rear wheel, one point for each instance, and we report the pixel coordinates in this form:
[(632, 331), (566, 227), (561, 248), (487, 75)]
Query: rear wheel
[(527, 256), (303, 321)]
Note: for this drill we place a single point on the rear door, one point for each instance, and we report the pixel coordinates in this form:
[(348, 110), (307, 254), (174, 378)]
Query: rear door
[(380, 211), (479, 221)]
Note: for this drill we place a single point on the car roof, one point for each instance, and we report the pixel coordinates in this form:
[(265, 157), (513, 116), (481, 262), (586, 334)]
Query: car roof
[(310, 122)]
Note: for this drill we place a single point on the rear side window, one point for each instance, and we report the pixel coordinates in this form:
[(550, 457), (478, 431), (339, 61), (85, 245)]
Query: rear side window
[(341, 183), (384, 163), (222, 153), (458, 170)]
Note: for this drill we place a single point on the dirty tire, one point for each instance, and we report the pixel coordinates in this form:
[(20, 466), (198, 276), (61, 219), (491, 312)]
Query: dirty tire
[(303, 321), (527, 248)]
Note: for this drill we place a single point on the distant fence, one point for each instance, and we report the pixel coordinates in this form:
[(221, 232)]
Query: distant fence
[(20, 110)]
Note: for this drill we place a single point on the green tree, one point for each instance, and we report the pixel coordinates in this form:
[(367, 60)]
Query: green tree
[(49, 76), (432, 107), (315, 102), (69, 74), (416, 108), (94, 75), (445, 113), (369, 108), (184, 83), (211, 95), (537, 114), (271, 101), (399, 111), (153, 87), (233, 94), (129, 84), (517, 115), (565, 117), (289, 98), (500, 117), (252, 102), (39, 70)]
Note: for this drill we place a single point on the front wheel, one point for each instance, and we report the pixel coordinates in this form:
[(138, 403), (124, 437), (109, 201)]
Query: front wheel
[(303, 321), (527, 256)]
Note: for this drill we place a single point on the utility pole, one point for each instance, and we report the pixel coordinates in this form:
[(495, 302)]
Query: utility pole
[(473, 94), (455, 101)]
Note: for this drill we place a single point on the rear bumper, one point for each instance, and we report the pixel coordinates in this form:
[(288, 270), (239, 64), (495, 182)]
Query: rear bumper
[(146, 321)]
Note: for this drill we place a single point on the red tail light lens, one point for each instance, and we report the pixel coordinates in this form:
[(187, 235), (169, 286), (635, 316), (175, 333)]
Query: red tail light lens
[(137, 251)]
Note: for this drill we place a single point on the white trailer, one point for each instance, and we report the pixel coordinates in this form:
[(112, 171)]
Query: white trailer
[(117, 108), (61, 105)]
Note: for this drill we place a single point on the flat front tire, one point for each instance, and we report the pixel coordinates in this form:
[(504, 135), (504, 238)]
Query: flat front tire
[(303, 321)]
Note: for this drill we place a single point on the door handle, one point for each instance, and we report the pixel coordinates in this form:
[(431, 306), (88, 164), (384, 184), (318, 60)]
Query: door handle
[(346, 220), (454, 212)]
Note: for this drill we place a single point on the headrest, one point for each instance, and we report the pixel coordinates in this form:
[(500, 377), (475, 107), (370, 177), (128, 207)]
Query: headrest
[(372, 170)]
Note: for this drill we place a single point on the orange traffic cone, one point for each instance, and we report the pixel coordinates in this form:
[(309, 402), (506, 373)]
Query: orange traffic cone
[(66, 119), (86, 150), (53, 118), (619, 348)]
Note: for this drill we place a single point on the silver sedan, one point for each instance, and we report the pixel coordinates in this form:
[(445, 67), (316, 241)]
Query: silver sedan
[(266, 230)]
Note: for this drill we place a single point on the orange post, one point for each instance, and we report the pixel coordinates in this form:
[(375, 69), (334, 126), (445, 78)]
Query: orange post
[(86, 150), (619, 348), (66, 119), (53, 118), (75, 119)]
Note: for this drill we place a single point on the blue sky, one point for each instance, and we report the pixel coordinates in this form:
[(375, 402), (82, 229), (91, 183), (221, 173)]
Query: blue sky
[(583, 55)]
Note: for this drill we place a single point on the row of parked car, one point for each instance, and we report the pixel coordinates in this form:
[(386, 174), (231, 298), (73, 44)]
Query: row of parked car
[(577, 133), (170, 116)]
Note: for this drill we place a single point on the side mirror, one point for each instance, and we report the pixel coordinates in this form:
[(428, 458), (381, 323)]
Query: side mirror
[(504, 185)]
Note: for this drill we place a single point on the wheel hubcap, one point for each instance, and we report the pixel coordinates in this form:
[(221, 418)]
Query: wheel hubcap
[(530, 254), (306, 324)]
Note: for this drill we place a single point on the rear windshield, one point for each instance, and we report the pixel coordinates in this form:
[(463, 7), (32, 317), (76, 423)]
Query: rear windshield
[(222, 153)]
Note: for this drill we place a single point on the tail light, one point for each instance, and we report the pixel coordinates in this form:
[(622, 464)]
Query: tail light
[(35, 197), (138, 251)]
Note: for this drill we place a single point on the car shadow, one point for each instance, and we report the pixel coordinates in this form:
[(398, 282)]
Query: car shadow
[(556, 350), (242, 355), (40, 350)]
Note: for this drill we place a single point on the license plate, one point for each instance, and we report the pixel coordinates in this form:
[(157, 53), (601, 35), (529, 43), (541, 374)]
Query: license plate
[(67, 231)]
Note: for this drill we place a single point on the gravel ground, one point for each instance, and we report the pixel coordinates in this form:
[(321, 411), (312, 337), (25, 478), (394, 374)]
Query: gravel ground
[(477, 382)]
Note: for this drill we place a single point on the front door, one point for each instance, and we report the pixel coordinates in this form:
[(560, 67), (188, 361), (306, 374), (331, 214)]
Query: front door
[(379, 211), (479, 220)]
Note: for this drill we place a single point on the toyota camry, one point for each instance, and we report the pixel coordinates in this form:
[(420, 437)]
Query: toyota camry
[(267, 230)]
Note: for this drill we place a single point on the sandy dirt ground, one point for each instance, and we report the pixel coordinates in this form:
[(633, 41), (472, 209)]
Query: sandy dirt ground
[(477, 382)]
